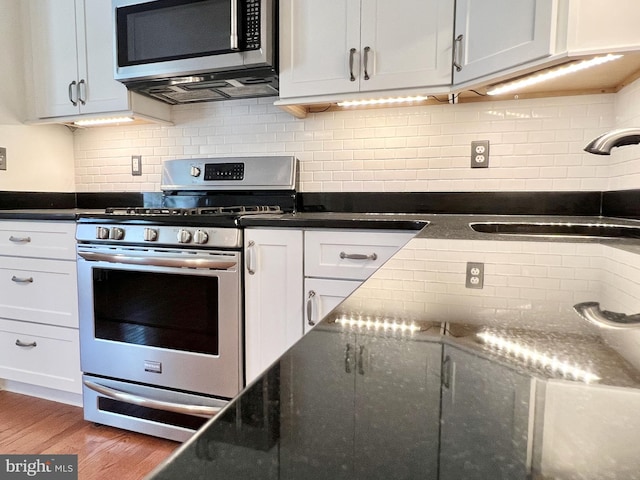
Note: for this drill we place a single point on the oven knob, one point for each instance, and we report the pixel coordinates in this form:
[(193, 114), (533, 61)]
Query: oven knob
[(150, 234), (195, 171), (102, 233), (117, 233), (184, 236), (200, 237)]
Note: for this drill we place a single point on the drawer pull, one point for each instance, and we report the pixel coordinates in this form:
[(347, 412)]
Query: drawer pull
[(358, 256), (22, 279), (19, 239), (20, 343)]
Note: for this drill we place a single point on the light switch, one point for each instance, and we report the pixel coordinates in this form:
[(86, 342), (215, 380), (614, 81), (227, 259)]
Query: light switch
[(3, 158)]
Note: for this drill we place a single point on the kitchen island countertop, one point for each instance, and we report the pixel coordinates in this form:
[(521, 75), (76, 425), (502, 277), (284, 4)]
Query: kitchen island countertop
[(419, 374)]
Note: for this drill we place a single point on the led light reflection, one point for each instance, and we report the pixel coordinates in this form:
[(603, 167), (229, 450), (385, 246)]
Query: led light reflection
[(538, 359), (378, 324), (382, 101), (551, 74)]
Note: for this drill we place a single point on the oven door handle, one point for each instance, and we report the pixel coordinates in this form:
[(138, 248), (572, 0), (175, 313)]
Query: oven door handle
[(199, 410), (158, 261)]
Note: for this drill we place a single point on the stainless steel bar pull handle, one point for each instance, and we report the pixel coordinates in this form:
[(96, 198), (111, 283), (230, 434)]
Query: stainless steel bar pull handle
[(22, 279), (19, 239), (199, 410), (20, 343), (82, 92), (251, 257), (233, 38), (179, 262), (311, 299), (457, 52), (366, 62), (358, 256), (72, 86), (352, 54)]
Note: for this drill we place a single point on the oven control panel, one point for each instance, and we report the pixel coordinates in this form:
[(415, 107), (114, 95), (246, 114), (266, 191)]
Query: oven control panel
[(223, 171), (210, 237)]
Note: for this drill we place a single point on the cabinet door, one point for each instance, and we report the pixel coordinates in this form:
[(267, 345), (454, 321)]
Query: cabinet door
[(316, 37), (273, 295), (406, 43), (398, 398), (494, 35), (54, 56), (103, 93), (485, 419), (322, 295)]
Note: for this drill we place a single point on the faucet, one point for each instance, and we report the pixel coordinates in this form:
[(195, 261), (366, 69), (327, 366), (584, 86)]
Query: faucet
[(592, 313), (603, 144)]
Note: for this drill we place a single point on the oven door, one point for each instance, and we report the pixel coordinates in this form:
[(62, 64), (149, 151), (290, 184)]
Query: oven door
[(165, 317)]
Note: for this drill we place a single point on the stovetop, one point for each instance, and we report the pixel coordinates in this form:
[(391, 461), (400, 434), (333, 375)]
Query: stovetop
[(211, 192), (182, 211)]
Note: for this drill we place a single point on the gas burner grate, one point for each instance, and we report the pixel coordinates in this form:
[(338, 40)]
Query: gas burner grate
[(232, 210)]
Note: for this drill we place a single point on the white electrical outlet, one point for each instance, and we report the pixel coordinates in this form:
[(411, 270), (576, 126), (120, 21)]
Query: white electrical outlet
[(480, 154), (475, 275)]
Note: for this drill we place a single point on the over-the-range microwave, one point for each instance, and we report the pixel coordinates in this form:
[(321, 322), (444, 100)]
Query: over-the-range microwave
[(184, 51)]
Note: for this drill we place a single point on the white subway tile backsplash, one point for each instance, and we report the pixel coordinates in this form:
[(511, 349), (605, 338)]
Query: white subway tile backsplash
[(536, 144)]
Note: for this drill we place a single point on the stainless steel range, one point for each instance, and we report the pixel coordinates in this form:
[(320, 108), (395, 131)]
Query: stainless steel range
[(160, 288)]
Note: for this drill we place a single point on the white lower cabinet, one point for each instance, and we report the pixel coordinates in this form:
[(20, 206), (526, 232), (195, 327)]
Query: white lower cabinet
[(295, 277), (336, 262), (273, 295), (39, 341)]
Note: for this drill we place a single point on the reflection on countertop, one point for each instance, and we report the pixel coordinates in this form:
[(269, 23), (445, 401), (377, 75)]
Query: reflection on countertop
[(423, 374)]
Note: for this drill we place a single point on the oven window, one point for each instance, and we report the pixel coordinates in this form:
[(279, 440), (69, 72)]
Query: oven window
[(179, 312)]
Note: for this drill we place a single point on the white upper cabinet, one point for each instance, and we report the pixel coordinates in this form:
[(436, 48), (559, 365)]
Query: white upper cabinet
[(73, 58), (330, 47), (71, 61), (496, 40), (493, 35)]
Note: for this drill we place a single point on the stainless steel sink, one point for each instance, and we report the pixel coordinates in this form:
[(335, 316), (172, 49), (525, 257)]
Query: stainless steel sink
[(550, 229)]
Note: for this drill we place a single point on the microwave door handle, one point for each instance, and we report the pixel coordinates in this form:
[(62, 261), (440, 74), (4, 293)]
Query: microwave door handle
[(234, 25)]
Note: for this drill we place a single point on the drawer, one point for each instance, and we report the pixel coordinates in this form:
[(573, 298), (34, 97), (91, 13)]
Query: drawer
[(38, 239), (39, 290), (49, 358), (347, 254)]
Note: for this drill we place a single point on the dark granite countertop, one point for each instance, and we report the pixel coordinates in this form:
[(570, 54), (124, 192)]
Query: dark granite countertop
[(63, 214), (420, 375)]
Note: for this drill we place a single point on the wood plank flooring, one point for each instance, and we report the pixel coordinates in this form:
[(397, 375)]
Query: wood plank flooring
[(30, 425)]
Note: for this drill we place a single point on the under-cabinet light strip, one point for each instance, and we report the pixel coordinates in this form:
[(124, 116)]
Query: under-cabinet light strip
[(529, 355), (102, 121), (378, 324), (383, 101), (551, 74)]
